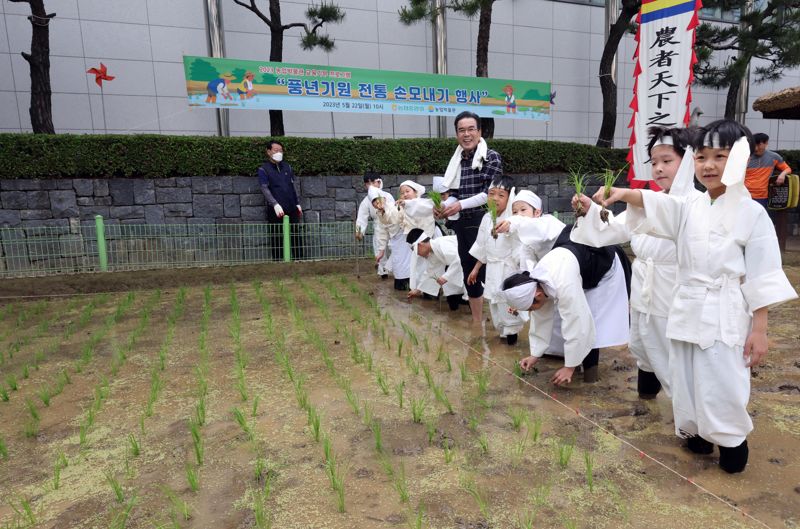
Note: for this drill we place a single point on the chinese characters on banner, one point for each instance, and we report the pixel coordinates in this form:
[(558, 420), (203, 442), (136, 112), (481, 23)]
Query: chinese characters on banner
[(257, 85), (663, 76)]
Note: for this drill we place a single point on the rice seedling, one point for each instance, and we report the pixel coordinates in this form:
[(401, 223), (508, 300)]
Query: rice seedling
[(336, 479), (260, 514), (327, 447), (113, 482), (241, 384), (193, 477), (519, 416), (197, 442), (121, 518), (11, 382), (26, 372), (32, 409), (449, 452), (83, 432), (133, 445), (412, 364), (381, 379), (536, 428), (470, 486), (491, 208), (352, 399), (462, 367), (569, 523), (366, 416), (375, 426), (588, 462), (400, 483), (426, 371), (609, 179), (430, 429), (418, 409), (483, 443), (45, 393), (416, 521), (57, 468), (400, 348), (155, 388), (398, 390), (242, 422), (578, 180), (482, 378), (3, 449), (441, 396), (180, 508), (31, 428), (564, 452), (516, 369), (200, 411), (25, 511), (4, 394), (254, 411), (526, 519), (518, 450), (314, 421)]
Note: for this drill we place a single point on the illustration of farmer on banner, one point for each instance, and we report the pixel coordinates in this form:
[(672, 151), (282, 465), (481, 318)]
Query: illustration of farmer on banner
[(246, 90), (511, 101), (219, 87)]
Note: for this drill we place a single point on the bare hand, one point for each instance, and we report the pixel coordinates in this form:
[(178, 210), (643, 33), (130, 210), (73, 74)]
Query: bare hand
[(781, 179), (359, 236), (400, 203), (441, 281), (584, 201), (451, 210), (379, 256), (472, 277), (755, 348), (502, 227), (515, 312), (563, 376), (527, 363), (414, 293), (438, 212), (614, 195)]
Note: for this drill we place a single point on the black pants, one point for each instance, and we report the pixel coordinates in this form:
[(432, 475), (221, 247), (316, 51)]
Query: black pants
[(276, 234), (592, 359), (466, 229)]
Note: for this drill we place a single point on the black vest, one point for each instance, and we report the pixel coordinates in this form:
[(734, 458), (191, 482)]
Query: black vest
[(594, 263)]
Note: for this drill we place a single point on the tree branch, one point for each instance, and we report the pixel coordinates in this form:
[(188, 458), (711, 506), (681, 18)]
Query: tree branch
[(20, 1), (295, 25), (250, 7)]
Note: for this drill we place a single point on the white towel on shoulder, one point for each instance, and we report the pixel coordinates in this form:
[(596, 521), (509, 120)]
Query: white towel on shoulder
[(452, 176)]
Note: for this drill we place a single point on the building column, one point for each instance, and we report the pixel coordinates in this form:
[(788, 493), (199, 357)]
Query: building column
[(216, 48)]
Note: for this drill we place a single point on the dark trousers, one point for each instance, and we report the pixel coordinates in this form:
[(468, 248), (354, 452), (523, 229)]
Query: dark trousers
[(466, 229), (276, 234), (592, 359)]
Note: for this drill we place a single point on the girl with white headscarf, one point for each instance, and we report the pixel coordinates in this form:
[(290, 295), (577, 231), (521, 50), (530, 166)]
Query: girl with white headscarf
[(729, 274), (391, 237)]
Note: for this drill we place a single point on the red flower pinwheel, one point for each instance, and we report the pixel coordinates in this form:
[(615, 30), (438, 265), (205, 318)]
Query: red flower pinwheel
[(100, 75)]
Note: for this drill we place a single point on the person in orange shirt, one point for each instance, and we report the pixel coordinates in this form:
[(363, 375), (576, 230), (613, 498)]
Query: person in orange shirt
[(761, 166)]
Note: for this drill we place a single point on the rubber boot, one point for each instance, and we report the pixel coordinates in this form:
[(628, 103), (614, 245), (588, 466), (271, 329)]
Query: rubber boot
[(733, 460), (698, 445), (648, 385), (591, 374), (511, 339)]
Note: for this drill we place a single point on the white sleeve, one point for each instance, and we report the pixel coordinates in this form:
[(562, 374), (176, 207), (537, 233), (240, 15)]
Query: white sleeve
[(542, 231), (577, 324), (660, 217), (362, 219), (475, 201), (592, 231), (382, 235), (454, 273), (478, 250), (541, 329), (765, 282)]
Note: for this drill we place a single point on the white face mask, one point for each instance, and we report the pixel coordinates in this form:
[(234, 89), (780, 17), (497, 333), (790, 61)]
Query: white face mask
[(278, 156)]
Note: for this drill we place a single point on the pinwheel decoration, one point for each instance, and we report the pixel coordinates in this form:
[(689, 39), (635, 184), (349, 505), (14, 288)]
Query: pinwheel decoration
[(100, 74)]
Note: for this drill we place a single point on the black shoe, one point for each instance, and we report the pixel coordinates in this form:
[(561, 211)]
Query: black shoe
[(384, 276), (648, 385), (454, 301), (733, 460), (698, 445), (511, 339), (401, 284)]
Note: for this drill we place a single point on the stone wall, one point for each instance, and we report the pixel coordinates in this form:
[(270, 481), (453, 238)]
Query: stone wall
[(204, 199)]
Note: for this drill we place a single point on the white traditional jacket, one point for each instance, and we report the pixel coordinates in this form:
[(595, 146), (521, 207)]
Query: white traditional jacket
[(723, 274), (536, 236), (367, 211), (443, 261)]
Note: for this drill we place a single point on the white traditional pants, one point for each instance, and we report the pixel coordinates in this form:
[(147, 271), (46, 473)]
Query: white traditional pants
[(710, 391), (384, 265), (400, 257), (650, 346)]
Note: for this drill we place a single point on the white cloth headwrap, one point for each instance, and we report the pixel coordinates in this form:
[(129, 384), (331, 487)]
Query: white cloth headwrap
[(666, 139), (419, 188), (521, 296), (380, 182), (373, 193), (452, 176), (438, 185), (733, 178), (422, 237), (511, 197), (683, 183), (528, 197)]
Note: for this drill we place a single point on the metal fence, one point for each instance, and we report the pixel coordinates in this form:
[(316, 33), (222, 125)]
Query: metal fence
[(97, 247)]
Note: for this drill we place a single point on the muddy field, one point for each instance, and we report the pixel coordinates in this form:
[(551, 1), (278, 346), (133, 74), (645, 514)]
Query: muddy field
[(218, 401)]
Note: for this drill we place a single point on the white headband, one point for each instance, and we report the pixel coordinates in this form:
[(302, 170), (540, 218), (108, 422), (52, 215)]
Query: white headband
[(530, 198), (712, 140), (521, 296), (666, 139), (419, 188)]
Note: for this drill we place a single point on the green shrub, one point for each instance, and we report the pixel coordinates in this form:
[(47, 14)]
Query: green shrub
[(155, 156)]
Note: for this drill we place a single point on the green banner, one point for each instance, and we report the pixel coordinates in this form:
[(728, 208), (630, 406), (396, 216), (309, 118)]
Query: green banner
[(233, 83)]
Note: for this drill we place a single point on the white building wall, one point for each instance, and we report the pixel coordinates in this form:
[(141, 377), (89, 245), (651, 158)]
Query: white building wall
[(142, 43)]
